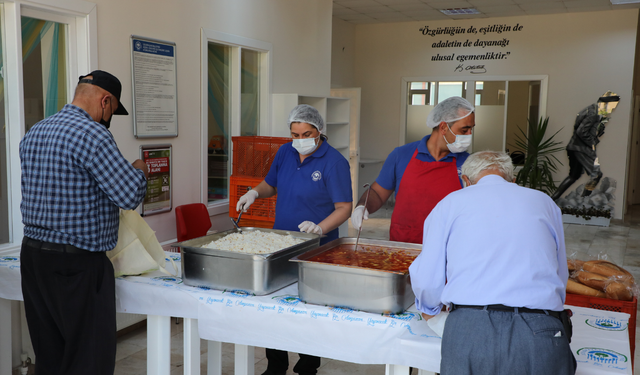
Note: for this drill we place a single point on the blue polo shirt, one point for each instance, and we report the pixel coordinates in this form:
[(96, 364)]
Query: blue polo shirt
[(309, 190), (397, 161)]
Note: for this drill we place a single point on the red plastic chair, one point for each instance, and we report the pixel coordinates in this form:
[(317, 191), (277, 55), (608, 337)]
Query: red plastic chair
[(192, 221)]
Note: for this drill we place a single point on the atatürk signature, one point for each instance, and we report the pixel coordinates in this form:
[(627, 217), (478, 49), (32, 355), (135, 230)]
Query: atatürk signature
[(473, 69)]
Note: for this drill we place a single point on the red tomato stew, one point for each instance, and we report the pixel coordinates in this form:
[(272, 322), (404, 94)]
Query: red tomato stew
[(374, 257)]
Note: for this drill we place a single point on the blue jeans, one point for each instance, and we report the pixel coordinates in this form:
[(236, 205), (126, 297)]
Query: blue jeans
[(504, 343)]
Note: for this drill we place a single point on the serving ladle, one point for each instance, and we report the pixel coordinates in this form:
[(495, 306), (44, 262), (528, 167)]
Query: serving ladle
[(363, 211), (236, 222)]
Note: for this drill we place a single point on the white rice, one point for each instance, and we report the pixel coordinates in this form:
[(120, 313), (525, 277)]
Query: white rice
[(254, 242)]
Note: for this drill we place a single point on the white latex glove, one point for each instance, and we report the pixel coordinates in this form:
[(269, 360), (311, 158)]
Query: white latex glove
[(310, 227), (358, 215), (246, 200), (437, 322)]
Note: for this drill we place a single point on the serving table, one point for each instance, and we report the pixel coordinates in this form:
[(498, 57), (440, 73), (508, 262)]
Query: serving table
[(282, 321)]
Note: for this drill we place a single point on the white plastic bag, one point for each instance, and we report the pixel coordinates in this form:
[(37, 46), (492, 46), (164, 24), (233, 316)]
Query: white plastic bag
[(437, 322), (138, 250)]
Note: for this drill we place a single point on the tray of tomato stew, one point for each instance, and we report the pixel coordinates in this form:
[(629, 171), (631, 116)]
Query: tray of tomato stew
[(374, 278)]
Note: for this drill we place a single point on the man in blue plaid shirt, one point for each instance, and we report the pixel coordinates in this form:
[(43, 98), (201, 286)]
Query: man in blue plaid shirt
[(74, 180)]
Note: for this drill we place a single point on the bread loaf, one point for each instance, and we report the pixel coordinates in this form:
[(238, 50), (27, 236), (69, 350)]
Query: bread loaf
[(577, 288), (574, 264), (608, 269), (619, 291), (592, 280)]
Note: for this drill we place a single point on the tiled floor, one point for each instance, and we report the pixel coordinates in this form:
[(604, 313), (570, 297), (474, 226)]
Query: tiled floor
[(619, 243)]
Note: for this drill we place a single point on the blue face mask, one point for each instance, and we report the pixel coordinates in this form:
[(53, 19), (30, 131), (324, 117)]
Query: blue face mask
[(305, 146)]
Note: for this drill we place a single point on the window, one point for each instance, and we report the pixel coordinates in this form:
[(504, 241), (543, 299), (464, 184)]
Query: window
[(38, 75), (219, 108), (423, 96), (421, 93), (44, 68), (4, 186), (237, 99), (502, 107), (449, 89), (250, 84)]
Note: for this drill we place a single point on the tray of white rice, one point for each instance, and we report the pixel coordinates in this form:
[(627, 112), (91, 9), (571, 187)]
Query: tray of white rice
[(255, 260)]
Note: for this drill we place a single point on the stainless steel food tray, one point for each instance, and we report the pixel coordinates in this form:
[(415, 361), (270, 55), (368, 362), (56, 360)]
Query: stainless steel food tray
[(256, 273), (358, 288)]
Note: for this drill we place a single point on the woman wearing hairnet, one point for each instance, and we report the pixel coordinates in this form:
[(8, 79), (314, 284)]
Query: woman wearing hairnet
[(313, 183), (423, 172)]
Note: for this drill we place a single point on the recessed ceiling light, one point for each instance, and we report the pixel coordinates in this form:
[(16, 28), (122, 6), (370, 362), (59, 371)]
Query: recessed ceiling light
[(457, 11), (618, 2)]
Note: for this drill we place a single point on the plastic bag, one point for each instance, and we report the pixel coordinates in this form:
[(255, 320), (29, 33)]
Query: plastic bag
[(138, 250), (604, 278)]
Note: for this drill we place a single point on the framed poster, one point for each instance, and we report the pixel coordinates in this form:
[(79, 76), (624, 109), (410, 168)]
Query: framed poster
[(155, 91), (158, 198)]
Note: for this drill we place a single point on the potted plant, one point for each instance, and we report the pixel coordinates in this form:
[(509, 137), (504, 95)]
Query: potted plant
[(539, 161), (586, 216)]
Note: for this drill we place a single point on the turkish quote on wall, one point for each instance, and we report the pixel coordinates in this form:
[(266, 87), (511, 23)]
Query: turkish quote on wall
[(477, 40)]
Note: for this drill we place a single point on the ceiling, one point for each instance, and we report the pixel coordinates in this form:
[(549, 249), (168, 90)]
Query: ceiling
[(385, 11)]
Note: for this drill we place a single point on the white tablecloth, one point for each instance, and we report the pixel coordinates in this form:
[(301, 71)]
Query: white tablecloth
[(600, 341), (282, 321)]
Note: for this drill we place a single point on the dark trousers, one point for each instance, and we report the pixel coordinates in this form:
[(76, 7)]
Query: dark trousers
[(69, 303), (278, 361), (579, 162), (500, 342)]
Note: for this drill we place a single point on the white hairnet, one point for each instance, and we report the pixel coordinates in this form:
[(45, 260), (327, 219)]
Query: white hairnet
[(308, 114), (449, 110)]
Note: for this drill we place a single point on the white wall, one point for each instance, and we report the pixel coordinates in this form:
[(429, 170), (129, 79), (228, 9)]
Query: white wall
[(300, 32), (343, 49), (583, 54)]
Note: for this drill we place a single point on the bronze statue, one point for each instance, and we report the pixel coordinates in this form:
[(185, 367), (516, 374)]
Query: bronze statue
[(581, 149)]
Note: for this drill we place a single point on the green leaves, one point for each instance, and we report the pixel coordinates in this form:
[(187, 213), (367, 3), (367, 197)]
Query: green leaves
[(540, 163)]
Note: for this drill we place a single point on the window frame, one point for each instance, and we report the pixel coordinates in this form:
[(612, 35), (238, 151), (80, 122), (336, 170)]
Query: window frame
[(470, 93), (237, 44), (82, 55)]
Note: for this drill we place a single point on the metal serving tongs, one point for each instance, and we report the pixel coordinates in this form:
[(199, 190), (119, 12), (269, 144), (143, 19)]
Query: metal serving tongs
[(365, 208), (236, 222)]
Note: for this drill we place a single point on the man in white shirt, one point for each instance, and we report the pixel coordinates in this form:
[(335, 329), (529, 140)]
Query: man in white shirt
[(494, 253)]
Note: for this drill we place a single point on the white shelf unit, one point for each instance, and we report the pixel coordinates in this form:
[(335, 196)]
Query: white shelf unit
[(353, 94), (282, 106), (337, 122), (335, 112)]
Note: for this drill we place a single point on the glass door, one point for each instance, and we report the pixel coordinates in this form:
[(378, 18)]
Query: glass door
[(503, 108), (219, 118), (490, 114), (423, 96), (4, 153), (44, 56), (250, 92)]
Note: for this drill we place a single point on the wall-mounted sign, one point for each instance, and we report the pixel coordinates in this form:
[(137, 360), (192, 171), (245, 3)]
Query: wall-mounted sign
[(470, 49), (155, 91), (158, 198)]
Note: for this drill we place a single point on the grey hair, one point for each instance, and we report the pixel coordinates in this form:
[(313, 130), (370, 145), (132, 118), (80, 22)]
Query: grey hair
[(481, 161)]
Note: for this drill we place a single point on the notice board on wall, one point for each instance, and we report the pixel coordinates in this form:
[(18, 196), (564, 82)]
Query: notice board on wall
[(158, 160), (155, 90)]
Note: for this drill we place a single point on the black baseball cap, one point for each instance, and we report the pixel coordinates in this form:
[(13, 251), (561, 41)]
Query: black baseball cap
[(108, 82)]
